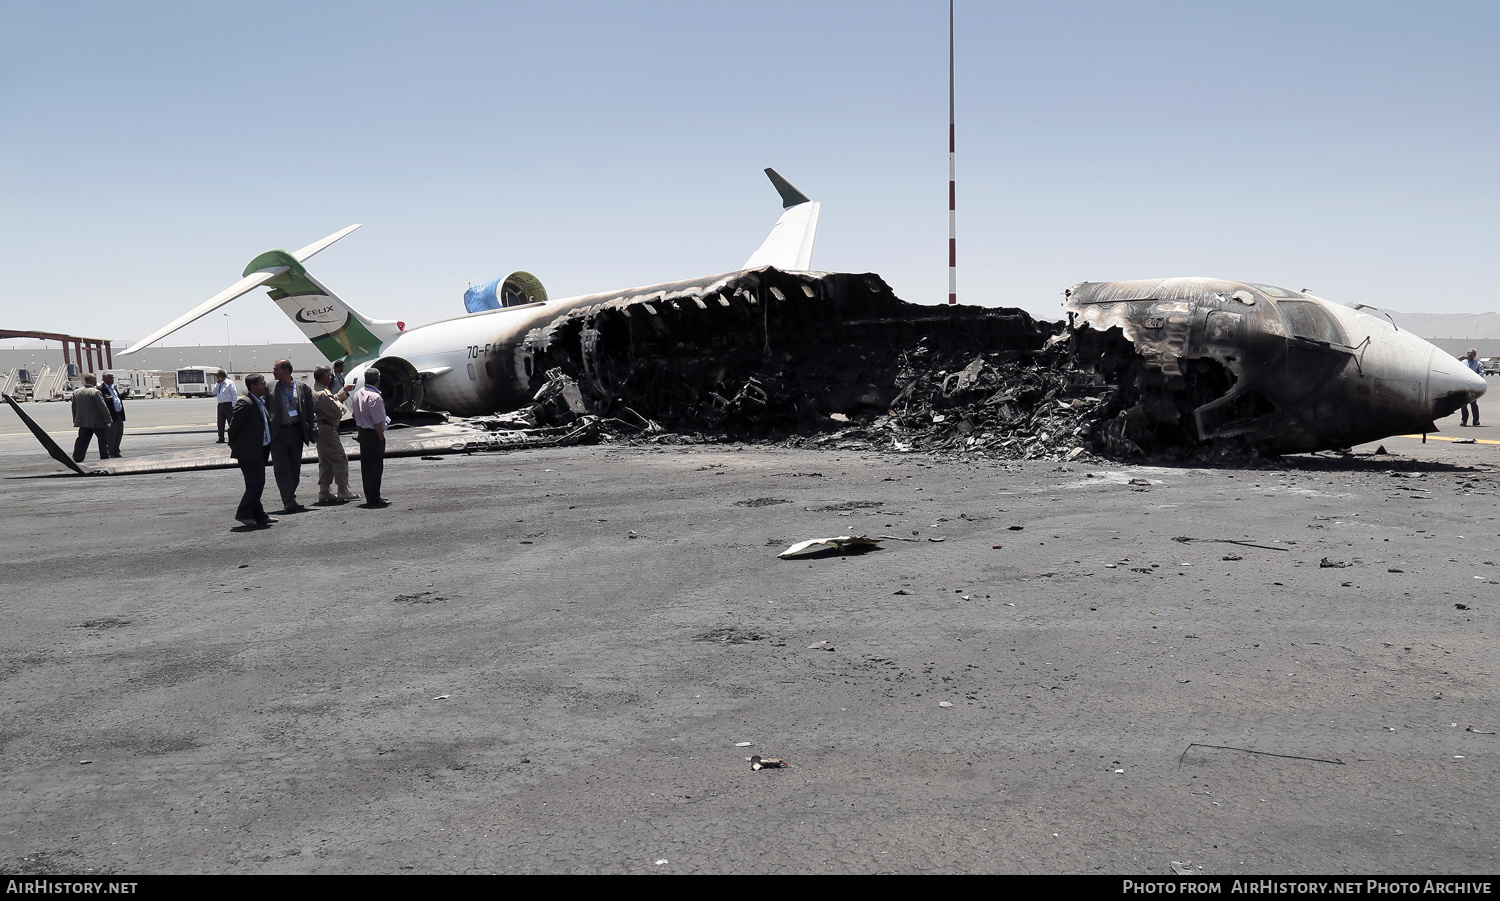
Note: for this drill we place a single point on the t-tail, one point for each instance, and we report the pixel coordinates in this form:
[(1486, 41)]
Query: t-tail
[(335, 328)]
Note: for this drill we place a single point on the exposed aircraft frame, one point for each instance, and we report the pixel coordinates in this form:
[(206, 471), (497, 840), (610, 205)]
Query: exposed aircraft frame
[(480, 362)]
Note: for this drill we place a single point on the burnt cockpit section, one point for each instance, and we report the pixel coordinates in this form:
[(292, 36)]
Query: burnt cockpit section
[(758, 351), (1200, 361)]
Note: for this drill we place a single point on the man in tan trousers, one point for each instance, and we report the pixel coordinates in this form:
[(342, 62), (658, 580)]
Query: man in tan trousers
[(333, 463)]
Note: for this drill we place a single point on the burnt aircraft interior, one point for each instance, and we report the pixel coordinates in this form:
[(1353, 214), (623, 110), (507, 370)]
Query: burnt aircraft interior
[(758, 352)]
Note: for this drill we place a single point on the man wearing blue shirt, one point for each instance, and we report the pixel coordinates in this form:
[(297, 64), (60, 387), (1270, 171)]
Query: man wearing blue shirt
[(289, 405), (1471, 360), (249, 443)]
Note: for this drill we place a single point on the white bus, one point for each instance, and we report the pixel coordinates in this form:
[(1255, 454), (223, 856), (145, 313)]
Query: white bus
[(197, 381)]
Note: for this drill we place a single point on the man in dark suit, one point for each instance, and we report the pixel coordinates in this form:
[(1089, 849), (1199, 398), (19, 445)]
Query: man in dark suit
[(91, 418), (249, 441), (116, 409), (289, 405)]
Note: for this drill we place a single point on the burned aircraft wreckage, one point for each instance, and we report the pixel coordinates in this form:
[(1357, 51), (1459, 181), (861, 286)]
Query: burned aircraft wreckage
[(1171, 368), (1200, 360), (1164, 367), (775, 351)]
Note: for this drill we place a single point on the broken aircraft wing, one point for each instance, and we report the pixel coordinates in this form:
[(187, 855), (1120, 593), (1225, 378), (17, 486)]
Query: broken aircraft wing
[(789, 246), (432, 438)]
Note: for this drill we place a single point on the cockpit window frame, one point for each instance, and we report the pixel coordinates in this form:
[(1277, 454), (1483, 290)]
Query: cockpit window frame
[(1305, 318), (1275, 292)]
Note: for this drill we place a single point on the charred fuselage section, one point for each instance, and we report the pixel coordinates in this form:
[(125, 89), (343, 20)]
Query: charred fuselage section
[(757, 352), (1199, 361), (1166, 367)]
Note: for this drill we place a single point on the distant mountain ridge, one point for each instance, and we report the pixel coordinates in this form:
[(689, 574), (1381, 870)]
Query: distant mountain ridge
[(1449, 325)]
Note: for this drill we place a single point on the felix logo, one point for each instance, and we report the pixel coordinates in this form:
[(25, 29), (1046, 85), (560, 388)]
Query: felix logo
[(320, 316)]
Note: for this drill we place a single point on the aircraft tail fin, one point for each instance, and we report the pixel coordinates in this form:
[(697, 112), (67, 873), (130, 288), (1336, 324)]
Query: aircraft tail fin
[(338, 330), (789, 246), (334, 327)]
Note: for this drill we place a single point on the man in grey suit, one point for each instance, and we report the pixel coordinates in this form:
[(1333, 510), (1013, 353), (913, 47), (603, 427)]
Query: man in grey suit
[(289, 406), (93, 418)]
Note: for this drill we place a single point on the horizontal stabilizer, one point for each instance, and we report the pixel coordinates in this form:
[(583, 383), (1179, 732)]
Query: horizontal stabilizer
[(243, 286), (310, 250), (250, 282)]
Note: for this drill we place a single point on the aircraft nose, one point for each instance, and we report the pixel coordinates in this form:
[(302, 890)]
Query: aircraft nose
[(1451, 384)]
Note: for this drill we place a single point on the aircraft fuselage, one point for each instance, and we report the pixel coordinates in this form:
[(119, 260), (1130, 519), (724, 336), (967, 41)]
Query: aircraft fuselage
[(486, 362), (1290, 371)]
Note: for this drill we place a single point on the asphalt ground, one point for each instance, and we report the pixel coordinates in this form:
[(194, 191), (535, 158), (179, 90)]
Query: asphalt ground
[(548, 661)]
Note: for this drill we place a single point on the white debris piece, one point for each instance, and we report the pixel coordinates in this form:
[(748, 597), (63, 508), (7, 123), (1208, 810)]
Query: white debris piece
[(842, 544)]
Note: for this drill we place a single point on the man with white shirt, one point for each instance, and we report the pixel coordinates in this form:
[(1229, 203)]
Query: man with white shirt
[(368, 407), (227, 394)]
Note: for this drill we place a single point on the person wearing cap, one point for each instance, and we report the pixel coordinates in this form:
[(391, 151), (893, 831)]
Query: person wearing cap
[(93, 419), (333, 462), (227, 394), (1471, 360)]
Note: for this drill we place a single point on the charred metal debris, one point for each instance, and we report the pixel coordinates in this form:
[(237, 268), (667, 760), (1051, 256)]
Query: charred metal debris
[(837, 360)]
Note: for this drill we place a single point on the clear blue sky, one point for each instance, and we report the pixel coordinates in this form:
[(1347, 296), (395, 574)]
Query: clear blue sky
[(149, 150)]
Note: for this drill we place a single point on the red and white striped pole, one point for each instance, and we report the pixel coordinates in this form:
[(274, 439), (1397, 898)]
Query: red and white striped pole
[(952, 190)]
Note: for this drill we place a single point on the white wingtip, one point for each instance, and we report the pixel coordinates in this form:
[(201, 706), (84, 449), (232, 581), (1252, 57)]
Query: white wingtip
[(248, 283), (243, 286), (307, 252)]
